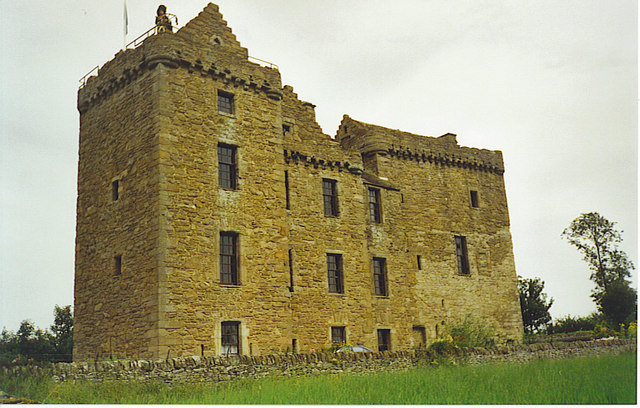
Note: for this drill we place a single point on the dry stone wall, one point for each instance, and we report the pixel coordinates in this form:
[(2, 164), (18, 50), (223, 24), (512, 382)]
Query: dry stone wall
[(186, 369)]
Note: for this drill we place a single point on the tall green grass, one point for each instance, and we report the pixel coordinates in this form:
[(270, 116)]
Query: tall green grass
[(594, 380)]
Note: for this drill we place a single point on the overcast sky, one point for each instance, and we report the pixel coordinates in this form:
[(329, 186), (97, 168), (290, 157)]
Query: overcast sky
[(553, 84)]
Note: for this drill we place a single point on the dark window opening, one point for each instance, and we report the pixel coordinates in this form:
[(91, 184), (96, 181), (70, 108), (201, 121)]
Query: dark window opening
[(330, 197), (384, 339), (419, 261), (202, 350), (294, 345), (474, 199), (375, 213), (380, 276), (290, 270), (117, 264), (230, 338), (334, 271), (286, 129), (461, 255), (227, 167), (115, 190), (229, 258), (225, 102), (338, 338), (286, 190)]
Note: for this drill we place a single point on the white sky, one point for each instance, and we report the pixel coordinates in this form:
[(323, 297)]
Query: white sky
[(553, 84)]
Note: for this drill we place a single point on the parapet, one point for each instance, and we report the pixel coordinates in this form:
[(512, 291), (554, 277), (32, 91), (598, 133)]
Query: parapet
[(444, 150)]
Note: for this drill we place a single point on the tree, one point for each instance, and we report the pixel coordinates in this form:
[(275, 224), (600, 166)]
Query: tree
[(62, 330), (534, 304), (597, 240), (619, 304), (40, 345)]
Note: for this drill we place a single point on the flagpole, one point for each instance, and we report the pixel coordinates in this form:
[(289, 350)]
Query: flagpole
[(125, 28)]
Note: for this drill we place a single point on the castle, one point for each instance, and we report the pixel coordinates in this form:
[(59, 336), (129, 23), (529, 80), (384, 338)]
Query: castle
[(214, 217)]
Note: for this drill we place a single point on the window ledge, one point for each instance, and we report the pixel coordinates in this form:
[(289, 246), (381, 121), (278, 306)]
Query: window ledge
[(230, 285)]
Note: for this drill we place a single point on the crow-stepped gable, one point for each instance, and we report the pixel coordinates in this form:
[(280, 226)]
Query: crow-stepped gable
[(214, 216)]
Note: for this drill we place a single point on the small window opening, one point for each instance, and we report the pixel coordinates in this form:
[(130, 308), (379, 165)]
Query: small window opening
[(115, 190), (202, 350), (229, 258), (474, 199), (227, 167), (330, 197), (230, 338), (338, 337), (286, 129), (294, 345), (117, 269), (380, 276), (461, 255), (375, 213), (290, 270), (419, 262), (334, 272), (286, 189), (384, 339), (225, 102)]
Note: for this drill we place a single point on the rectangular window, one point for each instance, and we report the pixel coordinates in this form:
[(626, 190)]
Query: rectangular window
[(380, 276), (225, 102), (330, 197), (286, 189), (286, 128), (230, 338), (474, 199), (384, 339), (115, 190), (461, 255), (338, 338), (375, 213), (117, 264), (334, 270), (227, 168), (419, 261), (229, 258)]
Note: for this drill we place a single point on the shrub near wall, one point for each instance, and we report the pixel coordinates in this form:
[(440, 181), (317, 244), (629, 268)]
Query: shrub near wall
[(188, 369)]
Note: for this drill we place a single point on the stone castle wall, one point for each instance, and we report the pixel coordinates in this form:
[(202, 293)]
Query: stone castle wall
[(150, 120)]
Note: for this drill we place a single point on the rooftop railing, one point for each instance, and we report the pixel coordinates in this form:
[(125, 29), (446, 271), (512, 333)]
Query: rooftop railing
[(154, 30)]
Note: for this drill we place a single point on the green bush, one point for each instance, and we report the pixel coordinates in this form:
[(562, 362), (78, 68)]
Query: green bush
[(441, 347), (571, 324), (472, 332)]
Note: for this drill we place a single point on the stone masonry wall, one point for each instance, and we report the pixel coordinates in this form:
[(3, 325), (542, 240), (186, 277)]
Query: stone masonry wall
[(187, 369)]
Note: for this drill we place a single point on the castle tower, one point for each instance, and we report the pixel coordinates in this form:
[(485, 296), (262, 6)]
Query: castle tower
[(214, 216)]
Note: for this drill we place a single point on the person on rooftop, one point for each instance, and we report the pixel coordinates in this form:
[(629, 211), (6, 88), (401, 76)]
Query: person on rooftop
[(163, 23)]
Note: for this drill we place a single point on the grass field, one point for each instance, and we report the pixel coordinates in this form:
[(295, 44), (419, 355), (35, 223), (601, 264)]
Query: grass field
[(607, 379)]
